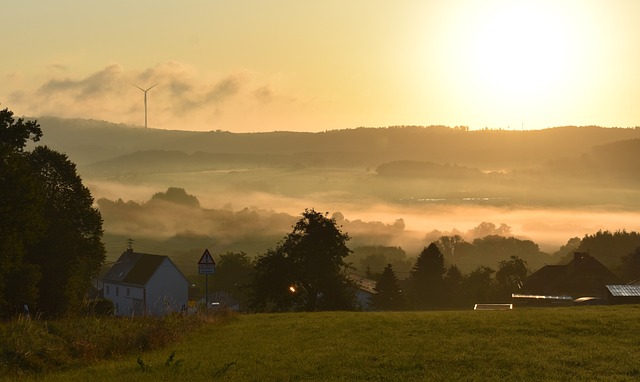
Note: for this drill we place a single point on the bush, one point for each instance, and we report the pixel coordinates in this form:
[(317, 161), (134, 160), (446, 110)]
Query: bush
[(33, 345)]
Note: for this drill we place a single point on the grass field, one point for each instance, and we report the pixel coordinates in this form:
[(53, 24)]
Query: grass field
[(546, 344)]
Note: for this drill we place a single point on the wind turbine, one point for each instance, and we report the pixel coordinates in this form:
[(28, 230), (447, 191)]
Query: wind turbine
[(145, 101)]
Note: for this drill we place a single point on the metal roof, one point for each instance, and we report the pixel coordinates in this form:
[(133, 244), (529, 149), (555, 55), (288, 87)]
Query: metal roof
[(624, 290)]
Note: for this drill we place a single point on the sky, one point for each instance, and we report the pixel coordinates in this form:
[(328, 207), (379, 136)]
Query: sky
[(253, 66)]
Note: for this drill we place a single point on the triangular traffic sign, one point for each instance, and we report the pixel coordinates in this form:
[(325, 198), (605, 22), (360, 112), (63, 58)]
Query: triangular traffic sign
[(206, 258)]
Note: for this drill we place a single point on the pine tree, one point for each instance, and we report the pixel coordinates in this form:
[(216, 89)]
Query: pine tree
[(426, 279), (388, 293)]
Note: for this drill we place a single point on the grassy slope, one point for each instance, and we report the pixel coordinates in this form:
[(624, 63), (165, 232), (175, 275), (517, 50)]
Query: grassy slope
[(587, 343)]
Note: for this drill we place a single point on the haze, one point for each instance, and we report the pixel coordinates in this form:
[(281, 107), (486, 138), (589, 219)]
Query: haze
[(396, 187), (247, 66)]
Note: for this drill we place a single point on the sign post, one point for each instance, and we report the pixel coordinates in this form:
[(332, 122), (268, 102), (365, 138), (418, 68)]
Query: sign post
[(206, 267)]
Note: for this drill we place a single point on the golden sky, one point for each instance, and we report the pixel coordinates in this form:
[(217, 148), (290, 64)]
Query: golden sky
[(241, 65)]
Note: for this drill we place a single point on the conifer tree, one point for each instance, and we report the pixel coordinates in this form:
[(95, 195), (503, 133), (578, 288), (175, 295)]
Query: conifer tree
[(426, 285), (388, 293)]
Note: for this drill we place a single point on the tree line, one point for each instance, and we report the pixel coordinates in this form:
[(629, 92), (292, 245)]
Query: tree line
[(308, 271)]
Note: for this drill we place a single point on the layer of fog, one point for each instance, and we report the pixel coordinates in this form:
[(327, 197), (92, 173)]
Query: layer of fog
[(367, 221)]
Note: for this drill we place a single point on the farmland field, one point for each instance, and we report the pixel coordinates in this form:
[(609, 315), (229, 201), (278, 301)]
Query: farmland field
[(552, 344)]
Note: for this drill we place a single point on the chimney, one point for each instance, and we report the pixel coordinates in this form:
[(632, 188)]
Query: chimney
[(579, 256)]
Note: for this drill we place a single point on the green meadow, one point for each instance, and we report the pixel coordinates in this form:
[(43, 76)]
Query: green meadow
[(534, 344)]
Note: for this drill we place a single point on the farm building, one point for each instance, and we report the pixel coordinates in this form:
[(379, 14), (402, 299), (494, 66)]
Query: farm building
[(141, 284), (365, 289), (624, 294), (582, 276)]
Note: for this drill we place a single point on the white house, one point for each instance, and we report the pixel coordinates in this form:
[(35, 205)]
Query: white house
[(140, 284)]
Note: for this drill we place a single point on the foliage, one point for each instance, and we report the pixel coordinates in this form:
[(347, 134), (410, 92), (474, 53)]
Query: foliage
[(50, 233), (608, 247), (178, 196), (388, 294), (426, 284), (630, 266), (479, 286), (22, 221), (15, 134), (307, 270), (510, 276), (454, 287), (372, 259), (234, 273), (33, 345), (73, 235), (491, 249)]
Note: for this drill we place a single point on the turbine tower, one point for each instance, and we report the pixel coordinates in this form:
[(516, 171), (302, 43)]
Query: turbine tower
[(145, 101)]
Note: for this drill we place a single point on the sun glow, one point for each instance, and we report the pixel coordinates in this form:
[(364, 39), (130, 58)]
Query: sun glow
[(510, 61), (520, 51)]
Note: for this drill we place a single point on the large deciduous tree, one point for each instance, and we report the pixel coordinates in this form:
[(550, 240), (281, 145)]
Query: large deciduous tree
[(50, 233), (307, 270)]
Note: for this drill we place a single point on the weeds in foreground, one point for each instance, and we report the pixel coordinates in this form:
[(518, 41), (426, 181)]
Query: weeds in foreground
[(172, 364), (32, 345)]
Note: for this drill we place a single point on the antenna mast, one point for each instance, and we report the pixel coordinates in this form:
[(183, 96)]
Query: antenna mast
[(145, 101)]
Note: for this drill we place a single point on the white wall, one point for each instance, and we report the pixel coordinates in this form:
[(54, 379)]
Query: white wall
[(127, 299), (167, 290)]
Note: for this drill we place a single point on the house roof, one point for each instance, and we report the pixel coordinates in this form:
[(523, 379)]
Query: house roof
[(363, 283), (134, 268), (624, 290), (582, 275)]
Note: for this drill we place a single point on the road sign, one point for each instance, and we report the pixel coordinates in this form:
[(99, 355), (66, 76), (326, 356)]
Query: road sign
[(206, 269), (206, 265), (206, 258)]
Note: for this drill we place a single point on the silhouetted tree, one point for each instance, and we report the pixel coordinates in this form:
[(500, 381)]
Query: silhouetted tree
[(630, 266), (70, 252), (307, 270), (21, 223), (234, 273), (608, 247), (15, 134), (479, 286), (374, 258), (50, 234), (453, 284), (426, 287), (388, 294), (510, 275), (178, 196)]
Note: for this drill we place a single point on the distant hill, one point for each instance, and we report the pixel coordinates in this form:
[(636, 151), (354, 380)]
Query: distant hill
[(89, 141)]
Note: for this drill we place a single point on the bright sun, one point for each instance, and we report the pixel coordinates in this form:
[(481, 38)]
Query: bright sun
[(520, 51), (514, 58)]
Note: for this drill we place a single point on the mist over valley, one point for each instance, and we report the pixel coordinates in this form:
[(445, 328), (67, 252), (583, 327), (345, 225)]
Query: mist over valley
[(178, 192)]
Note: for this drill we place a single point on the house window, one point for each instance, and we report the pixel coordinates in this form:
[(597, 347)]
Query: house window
[(117, 291), (128, 292), (107, 290)]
